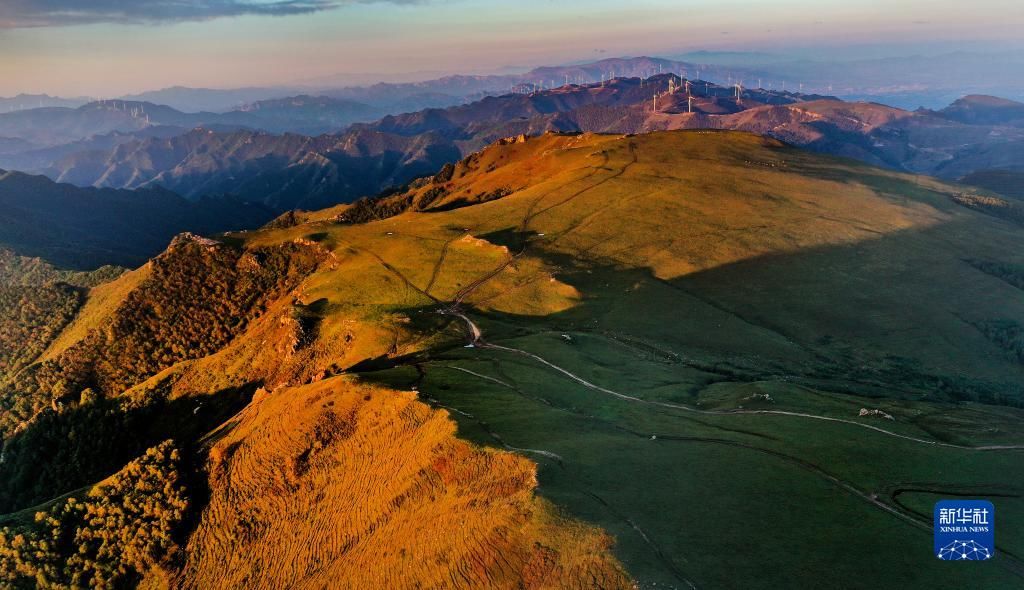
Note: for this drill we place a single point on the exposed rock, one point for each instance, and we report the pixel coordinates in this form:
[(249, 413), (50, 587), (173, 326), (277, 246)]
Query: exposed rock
[(191, 238), (864, 413)]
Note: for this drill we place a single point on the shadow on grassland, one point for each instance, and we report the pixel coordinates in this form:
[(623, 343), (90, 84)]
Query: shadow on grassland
[(909, 313)]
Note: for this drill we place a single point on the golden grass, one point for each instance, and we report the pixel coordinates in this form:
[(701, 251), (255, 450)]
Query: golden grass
[(342, 485), (102, 301), (675, 202)]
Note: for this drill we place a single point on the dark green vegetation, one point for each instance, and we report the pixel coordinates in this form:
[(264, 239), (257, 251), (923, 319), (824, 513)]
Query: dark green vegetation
[(27, 271), (30, 318), (1011, 211), (106, 538), (37, 302), (63, 419), (1007, 334), (1008, 183), (73, 227)]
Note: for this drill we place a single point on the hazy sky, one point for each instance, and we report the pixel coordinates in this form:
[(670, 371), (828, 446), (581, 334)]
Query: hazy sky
[(110, 47)]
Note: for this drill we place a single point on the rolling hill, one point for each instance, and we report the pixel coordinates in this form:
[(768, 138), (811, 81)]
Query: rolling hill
[(709, 343), (978, 109)]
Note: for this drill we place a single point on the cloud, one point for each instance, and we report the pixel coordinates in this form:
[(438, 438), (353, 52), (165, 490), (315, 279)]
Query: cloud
[(53, 13)]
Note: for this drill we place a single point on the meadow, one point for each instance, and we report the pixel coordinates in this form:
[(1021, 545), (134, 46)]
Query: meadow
[(749, 365)]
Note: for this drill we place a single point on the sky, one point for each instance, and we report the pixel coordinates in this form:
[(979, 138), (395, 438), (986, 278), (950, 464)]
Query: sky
[(113, 47)]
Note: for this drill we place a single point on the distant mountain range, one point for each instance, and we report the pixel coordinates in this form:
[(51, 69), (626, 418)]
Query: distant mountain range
[(289, 171), (438, 92), (36, 101), (208, 171), (906, 81), (52, 126), (40, 129), (215, 100), (84, 228)]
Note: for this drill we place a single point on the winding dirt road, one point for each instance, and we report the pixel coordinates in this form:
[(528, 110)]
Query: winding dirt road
[(476, 339)]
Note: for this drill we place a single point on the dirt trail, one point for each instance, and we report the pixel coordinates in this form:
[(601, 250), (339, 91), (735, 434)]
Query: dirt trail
[(438, 265), (476, 339)]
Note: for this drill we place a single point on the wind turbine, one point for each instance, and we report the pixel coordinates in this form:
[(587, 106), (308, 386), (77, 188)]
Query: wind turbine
[(689, 103)]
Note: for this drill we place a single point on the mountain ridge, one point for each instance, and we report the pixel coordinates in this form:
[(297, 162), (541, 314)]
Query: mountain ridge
[(920, 142)]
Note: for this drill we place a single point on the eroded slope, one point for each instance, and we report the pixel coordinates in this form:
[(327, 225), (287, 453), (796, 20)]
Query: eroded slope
[(347, 486)]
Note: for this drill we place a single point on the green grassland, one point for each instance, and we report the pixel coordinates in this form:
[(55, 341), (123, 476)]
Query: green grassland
[(682, 329), (703, 280)]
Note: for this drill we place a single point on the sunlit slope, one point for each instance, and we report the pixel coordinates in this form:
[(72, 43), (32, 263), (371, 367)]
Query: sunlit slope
[(769, 250), (413, 504), (335, 485), (638, 295)]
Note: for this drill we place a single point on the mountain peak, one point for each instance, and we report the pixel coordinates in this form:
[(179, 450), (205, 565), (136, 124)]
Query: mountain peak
[(985, 100)]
